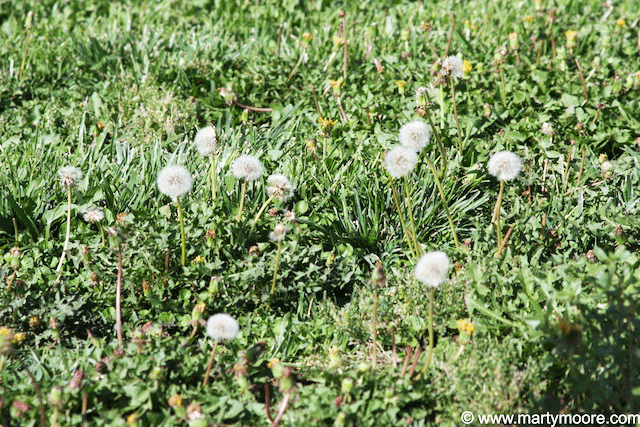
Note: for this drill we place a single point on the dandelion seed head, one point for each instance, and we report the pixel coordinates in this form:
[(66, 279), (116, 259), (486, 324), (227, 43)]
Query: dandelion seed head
[(279, 187), (277, 235), (174, 181), (94, 214), (400, 161), (206, 140), (547, 129), (415, 135), (432, 268), (247, 167), (504, 165), (453, 66), (69, 176), (222, 327)]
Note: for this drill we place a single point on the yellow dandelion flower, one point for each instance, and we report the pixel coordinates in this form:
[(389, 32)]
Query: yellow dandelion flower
[(466, 67), (621, 23), (528, 19), (18, 337), (327, 123), (273, 362), (33, 321), (465, 326), (571, 34), (199, 259), (5, 331), (338, 41), (307, 37), (602, 158), (132, 419), (176, 401)]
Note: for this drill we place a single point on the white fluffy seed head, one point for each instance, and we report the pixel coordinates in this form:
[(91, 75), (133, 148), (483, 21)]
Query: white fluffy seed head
[(69, 176), (400, 161), (415, 135), (504, 165), (277, 235), (247, 167), (432, 268), (206, 140), (222, 327), (279, 187), (453, 66), (94, 214), (174, 181), (547, 129)]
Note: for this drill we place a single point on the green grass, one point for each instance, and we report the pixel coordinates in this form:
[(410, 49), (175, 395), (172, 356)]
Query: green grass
[(120, 91)]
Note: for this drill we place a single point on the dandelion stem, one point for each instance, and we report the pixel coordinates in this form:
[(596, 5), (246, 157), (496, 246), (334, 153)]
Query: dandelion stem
[(295, 69), (584, 153), (275, 269), (374, 360), (28, 25), (496, 212), (242, 194), (344, 33), (441, 102), (183, 258), (411, 220), (444, 202), (118, 298), (430, 354), (213, 177), (67, 238), (102, 234), (503, 89), (404, 225), (260, 212), (213, 354), (443, 154), (584, 84), (504, 242), (455, 114)]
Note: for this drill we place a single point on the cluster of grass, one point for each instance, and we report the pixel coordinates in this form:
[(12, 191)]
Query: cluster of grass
[(538, 312)]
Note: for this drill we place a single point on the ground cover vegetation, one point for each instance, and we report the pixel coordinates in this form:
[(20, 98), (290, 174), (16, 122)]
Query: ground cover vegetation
[(321, 213)]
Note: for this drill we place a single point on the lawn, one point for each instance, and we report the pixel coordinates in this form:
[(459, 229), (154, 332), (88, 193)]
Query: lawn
[(407, 212)]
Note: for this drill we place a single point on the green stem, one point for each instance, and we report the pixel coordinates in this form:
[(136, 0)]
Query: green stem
[(430, 353), (68, 237), (118, 298), (404, 225), (243, 193), (260, 212), (455, 114), (295, 69), (183, 259), (441, 101), (275, 269), (503, 89), (443, 154), (444, 202), (374, 361), (213, 354), (213, 177), (411, 220), (102, 234), (24, 54), (496, 213)]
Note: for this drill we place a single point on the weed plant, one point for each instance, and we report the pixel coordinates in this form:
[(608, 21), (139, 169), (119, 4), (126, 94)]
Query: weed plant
[(541, 318)]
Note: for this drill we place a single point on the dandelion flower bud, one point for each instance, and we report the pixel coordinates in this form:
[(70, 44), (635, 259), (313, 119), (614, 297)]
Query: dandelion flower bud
[(400, 161), (279, 187), (547, 129), (422, 98), (432, 268), (206, 140), (453, 66), (247, 167), (504, 165), (69, 176), (93, 215), (606, 169), (222, 327), (415, 135), (277, 235), (174, 181)]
